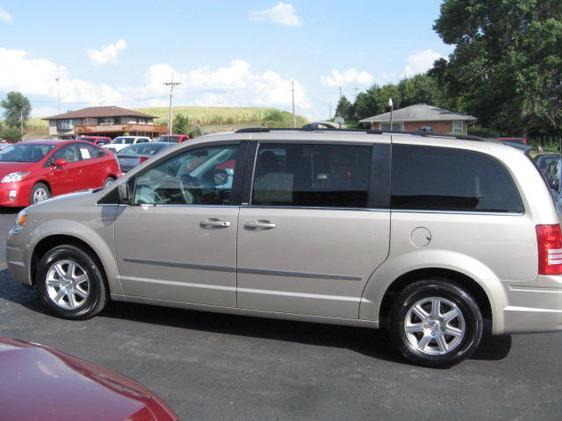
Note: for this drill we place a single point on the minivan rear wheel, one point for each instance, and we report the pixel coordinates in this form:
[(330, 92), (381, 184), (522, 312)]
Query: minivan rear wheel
[(435, 323), (71, 283)]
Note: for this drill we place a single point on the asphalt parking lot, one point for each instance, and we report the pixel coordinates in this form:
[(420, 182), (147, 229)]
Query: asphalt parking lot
[(209, 366)]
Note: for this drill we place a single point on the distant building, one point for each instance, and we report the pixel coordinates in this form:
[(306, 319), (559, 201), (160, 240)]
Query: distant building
[(103, 121), (422, 117)]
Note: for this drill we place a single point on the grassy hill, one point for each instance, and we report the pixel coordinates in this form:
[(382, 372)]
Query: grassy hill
[(211, 119)]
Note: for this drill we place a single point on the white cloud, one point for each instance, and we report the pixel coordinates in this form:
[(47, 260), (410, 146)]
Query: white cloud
[(107, 53), (282, 13), (235, 84), (4, 15), (36, 76), (347, 77), (420, 62)]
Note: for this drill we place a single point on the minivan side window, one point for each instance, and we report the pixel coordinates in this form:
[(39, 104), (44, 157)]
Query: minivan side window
[(312, 175), (447, 179), (202, 176)]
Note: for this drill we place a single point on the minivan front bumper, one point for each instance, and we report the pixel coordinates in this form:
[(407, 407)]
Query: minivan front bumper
[(534, 307), (16, 257)]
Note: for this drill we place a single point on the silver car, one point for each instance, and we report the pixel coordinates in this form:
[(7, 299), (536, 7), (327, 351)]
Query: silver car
[(433, 238)]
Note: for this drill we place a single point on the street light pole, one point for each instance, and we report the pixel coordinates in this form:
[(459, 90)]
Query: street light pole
[(391, 105)]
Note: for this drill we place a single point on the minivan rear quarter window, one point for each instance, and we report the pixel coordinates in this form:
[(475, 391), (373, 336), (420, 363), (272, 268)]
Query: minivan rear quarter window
[(318, 175), (447, 179)]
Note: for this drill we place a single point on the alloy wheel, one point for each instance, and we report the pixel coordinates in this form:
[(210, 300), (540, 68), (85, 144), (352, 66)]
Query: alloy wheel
[(434, 326), (67, 284), (40, 194)]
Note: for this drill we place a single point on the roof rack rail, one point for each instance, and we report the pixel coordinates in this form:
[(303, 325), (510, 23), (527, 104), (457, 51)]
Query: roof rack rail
[(368, 131), (281, 129)]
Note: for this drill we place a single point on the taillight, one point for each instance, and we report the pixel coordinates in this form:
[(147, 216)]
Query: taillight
[(549, 239), (142, 159)]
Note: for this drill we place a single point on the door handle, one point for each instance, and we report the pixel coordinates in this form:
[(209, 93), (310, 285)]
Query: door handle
[(261, 225), (214, 223)]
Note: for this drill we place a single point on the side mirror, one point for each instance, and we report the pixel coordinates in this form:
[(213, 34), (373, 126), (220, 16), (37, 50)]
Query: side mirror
[(124, 193), (59, 162), (221, 177)]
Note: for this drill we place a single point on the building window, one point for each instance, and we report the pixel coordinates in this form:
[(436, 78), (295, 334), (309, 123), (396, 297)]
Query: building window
[(64, 125), (458, 127)]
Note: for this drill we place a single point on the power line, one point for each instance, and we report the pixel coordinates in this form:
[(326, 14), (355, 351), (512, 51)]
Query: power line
[(171, 84)]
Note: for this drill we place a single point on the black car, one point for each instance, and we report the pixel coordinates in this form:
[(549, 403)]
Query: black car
[(135, 155)]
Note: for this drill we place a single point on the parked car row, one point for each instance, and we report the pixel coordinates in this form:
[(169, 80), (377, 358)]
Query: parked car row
[(35, 170)]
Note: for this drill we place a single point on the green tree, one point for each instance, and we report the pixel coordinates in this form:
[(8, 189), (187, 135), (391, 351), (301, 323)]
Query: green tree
[(420, 89), (11, 134), (16, 107), (345, 109), (506, 65), (375, 100), (181, 124)]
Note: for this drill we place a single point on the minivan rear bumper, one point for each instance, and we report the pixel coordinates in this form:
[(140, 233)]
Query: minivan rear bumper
[(534, 308)]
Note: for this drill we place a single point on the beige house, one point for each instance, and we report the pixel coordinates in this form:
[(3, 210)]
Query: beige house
[(103, 121), (422, 117)]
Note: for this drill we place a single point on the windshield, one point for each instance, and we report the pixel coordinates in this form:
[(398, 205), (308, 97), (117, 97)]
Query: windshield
[(173, 139), (123, 141), (141, 149), (22, 152)]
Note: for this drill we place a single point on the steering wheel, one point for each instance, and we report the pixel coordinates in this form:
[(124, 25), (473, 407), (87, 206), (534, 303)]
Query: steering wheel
[(185, 181)]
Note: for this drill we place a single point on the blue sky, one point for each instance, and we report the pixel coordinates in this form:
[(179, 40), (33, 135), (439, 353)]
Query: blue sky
[(239, 53)]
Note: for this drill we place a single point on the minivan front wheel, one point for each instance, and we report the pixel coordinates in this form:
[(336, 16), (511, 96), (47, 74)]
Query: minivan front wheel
[(71, 283), (435, 323)]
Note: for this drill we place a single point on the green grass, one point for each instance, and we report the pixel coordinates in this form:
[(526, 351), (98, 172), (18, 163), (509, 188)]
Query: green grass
[(211, 119)]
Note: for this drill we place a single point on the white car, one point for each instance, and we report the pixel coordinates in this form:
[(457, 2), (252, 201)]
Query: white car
[(122, 142)]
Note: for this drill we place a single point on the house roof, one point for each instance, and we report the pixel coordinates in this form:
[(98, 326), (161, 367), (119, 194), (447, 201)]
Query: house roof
[(95, 112), (419, 112)]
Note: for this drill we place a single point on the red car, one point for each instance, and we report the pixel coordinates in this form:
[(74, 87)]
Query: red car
[(42, 383), (521, 140), (173, 138), (33, 171), (96, 140)]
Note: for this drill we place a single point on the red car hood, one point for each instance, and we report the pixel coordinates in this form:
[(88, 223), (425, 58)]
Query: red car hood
[(9, 167), (39, 382)]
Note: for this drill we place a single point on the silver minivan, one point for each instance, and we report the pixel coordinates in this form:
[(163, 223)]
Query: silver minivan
[(435, 239)]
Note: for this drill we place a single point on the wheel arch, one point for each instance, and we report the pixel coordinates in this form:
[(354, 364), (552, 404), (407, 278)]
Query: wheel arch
[(464, 270), (88, 241), (460, 279)]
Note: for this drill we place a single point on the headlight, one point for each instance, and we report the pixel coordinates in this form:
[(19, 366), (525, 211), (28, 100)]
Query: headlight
[(22, 218), (14, 177)]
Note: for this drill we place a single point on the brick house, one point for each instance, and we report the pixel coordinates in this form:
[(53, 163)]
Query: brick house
[(422, 117), (103, 121)]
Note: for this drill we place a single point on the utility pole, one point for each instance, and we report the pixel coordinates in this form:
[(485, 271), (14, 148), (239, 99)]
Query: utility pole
[(293, 102), (330, 115), (340, 94), (391, 105), (171, 84), (58, 87), (355, 89)]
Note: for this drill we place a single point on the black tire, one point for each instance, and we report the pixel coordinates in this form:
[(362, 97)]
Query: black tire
[(108, 181), (97, 292), (39, 186), (434, 353)]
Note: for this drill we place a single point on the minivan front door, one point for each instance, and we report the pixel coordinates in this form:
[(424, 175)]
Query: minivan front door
[(313, 232), (176, 241)]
